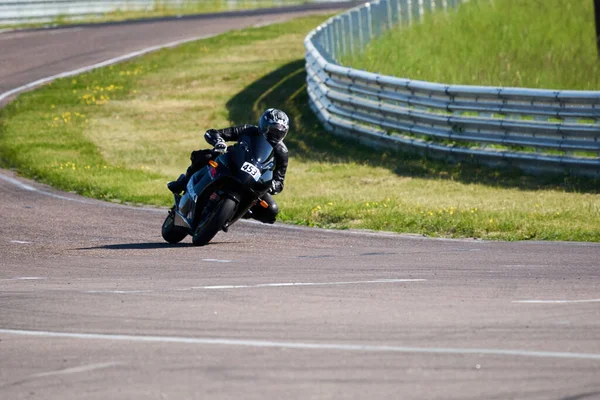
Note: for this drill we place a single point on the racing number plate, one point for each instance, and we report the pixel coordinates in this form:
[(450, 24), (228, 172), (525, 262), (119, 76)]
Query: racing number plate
[(251, 170)]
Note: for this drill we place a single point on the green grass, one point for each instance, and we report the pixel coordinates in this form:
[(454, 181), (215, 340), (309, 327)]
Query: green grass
[(160, 9), (522, 43), (122, 132)]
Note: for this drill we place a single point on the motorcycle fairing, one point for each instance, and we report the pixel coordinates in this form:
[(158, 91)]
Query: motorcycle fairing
[(229, 179)]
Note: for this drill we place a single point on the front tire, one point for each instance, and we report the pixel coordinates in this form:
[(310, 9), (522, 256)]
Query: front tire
[(214, 222), (171, 233)]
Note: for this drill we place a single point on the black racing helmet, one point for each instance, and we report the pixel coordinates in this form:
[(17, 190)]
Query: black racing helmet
[(274, 124)]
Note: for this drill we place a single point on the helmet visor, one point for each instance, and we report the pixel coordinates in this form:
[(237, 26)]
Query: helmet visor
[(275, 133)]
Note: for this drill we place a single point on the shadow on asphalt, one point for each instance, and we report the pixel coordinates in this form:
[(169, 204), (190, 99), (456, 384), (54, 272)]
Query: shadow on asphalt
[(148, 246), (137, 246), (285, 88), (582, 396)]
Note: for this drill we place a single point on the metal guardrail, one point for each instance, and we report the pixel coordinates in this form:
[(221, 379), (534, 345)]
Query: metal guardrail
[(16, 11), (19, 11), (538, 131)]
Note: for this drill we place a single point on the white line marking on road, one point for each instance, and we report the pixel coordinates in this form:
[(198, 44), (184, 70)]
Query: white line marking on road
[(20, 242), (25, 278), (100, 64), (261, 285), (77, 200), (303, 345), (118, 291), (556, 301), (368, 233), (74, 370), (215, 260), (17, 183), (32, 189)]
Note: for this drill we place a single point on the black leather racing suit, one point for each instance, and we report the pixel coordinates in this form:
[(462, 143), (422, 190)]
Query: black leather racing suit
[(200, 159)]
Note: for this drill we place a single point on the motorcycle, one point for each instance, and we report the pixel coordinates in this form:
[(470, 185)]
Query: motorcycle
[(222, 192)]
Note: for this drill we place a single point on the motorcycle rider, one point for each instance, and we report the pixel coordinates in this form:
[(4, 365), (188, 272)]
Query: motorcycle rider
[(274, 125)]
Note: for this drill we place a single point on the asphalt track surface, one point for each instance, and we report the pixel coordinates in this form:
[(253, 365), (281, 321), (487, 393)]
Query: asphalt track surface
[(94, 305)]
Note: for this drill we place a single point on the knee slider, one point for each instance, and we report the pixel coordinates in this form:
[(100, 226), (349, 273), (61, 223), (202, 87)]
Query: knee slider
[(273, 209)]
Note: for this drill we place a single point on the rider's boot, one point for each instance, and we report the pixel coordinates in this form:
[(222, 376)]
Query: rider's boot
[(178, 186)]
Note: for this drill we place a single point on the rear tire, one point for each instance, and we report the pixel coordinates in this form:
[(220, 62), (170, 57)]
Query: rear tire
[(208, 228), (171, 233)]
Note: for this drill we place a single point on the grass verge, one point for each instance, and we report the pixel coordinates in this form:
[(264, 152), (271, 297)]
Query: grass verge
[(120, 133), (546, 44)]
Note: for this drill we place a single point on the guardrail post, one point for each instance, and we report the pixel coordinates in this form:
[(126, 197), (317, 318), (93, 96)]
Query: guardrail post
[(329, 37), (361, 30), (392, 13), (404, 12), (354, 31), (384, 15), (325, 39), (365, 27), (415, 14), (427, 6), (346, 33), (376, 9), (369, 9), (321, 37), (334, 39), (338, 37)]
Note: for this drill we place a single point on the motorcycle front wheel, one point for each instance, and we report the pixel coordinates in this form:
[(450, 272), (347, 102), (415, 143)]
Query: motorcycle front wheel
[(171, 233), (214, 222)]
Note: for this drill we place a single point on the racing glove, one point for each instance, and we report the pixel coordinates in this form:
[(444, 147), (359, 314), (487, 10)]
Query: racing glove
[(220, 146), (276, 187)]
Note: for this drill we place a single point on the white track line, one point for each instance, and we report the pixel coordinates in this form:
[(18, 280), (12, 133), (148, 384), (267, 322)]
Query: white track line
[(32, 189), (25, 278), (260, 285), (75, 370), (556, 301), (100, 64), (74, 199), (119, 291), (263, 285), (18, 183), (303, 345)]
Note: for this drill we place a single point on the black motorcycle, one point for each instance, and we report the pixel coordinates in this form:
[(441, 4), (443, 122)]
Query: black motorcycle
[(222, 192)]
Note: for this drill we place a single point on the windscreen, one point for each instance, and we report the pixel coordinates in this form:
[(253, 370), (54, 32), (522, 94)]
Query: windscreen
[(260, 148)]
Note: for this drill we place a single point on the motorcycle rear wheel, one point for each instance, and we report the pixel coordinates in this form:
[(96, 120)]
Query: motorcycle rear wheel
[(171, 233), (214, 222)]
